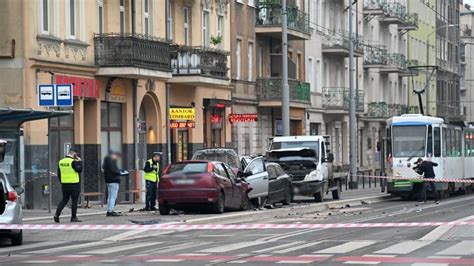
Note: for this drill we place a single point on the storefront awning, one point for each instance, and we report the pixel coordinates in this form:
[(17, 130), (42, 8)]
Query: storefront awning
[(11, 119)]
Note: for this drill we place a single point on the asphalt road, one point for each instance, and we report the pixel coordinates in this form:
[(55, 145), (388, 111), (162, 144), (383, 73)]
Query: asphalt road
[(444, 245)]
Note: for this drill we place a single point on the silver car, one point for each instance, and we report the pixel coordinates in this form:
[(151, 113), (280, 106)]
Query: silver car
[(10, 205)]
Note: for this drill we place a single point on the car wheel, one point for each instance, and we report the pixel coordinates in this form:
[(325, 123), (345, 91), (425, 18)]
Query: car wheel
[(245, 203), (288, 197), (319, 196), (164, 209), (219, 206), (336, 194), (17, 239)]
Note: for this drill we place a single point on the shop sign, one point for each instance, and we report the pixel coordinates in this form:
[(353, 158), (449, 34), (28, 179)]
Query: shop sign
[(176, 124), (182, 114), (116, 93), (83, 87), (242, 118)]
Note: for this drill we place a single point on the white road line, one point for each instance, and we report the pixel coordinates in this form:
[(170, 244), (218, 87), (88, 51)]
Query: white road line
[(462, 249), (287, 250), (107, 261), (69, 247), (238, 261), (440, 231), (216, 235), (347, 247), (193, 254), (34, 245), (119, 248), (40, 261), (165, 260), (362, 262), (74, 256), (444, 257), (231, 247), (404, 247), (177, 247), (430, 264), (294, 261), (292, 244)]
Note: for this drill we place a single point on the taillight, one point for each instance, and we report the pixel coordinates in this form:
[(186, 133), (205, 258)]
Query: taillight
[(167, 169), (210, 167), (11, 196)]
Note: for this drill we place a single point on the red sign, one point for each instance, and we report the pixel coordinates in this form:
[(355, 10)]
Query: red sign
[(82, 87), (236, 118), (174, 124)]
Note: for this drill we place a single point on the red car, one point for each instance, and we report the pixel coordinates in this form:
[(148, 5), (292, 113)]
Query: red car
[(201, 182)]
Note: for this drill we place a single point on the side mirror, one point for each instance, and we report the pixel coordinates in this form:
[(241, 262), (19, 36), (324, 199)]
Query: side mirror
[(19, 190), (242, 175), (330, 158)]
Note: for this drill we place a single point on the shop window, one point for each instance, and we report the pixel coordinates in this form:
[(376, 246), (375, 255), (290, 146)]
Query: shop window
[(182, 144), (111, 127)]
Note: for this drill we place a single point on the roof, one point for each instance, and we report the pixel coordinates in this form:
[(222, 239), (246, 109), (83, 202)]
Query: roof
[(298, 138), (11, 118), (414, 119)]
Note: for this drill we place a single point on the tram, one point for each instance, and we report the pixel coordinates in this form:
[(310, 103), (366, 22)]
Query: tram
[(413, 136)]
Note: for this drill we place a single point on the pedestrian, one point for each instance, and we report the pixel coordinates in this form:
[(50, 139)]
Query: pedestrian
[(112, 174), (152, 168), (426, 168), (69, 169)]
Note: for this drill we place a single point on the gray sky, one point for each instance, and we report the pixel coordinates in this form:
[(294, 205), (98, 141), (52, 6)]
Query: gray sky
[(470, 2)]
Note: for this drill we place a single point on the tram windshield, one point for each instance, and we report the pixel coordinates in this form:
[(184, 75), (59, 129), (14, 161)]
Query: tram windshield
[(409, 141)]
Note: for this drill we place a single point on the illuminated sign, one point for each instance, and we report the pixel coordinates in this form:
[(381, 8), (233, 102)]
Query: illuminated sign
[(182, 114), (82, 87), (174, 124), (237, 118)]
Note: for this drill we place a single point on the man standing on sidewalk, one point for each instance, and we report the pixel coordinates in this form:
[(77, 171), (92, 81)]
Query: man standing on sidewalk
[(152, 168), (426, 168), (69, 169), (112, 174)]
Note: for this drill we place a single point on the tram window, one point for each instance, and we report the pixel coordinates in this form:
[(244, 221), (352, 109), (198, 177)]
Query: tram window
[(429, 148), (437, 142), (409, 141), (444, 146), (459, 143)]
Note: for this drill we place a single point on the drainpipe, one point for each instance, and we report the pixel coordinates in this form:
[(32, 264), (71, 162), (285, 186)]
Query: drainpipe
[(168, 130), (133, 17), (135, 132)]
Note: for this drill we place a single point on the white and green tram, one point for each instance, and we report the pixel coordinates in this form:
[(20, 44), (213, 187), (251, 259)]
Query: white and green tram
[(414, 136)]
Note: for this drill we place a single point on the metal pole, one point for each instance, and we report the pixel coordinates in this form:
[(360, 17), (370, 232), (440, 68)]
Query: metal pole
[(136, 138), (427, 86), (285, 94), (168, 133), (352, 108), (50, 181)]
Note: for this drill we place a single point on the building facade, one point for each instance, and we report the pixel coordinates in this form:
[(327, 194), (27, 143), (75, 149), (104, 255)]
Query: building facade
[(467, 63)]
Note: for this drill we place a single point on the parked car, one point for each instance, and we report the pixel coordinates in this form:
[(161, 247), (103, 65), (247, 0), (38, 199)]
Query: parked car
[(10, 206), (251, 169), (280, 189), (202, 182)]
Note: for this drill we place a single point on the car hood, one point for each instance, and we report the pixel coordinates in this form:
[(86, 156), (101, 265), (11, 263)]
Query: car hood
[(291, 154)]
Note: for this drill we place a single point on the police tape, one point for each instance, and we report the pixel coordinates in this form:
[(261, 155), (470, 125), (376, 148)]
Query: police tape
[(221, 226), (439, 180)]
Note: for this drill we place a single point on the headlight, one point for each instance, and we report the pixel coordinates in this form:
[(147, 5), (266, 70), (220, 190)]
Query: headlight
[(313, 175)]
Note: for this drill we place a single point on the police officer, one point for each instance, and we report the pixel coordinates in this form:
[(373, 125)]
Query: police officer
[(152, 168), (69, 169)]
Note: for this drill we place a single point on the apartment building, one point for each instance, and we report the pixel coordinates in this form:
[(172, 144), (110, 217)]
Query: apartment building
[(121, 57), (467, 63)]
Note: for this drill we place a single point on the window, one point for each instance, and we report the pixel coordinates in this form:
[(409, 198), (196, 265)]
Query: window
[(272, 174), (445, 143), (238, 59), (220, 29), (169, 20), (230, 173), (256, 167), (429, 148), (310, 71), (111, 127), (260, 61), (122, 16), (100, 16), (146, 17), (186, 25), (409, 141), (250, 61), (45, 16), (437, 142), (72, 19), (205, 29)]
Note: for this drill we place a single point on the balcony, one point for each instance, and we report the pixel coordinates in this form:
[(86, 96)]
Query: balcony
[(336, 99), (449, 112), (132, 56), (394, 13), (384, 110), (396, 63), (269, 21), (375, 56), (412, 69), (337, 44), (374, 7), (199, 65), (411, 22), (269, 92)]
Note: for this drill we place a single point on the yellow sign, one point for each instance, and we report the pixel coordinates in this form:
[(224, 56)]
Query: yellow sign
[(182, 114)]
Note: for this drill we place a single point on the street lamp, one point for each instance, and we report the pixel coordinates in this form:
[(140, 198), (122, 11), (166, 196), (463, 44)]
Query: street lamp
[(428, 61)]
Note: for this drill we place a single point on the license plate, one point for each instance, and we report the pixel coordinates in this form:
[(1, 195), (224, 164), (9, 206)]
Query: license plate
[(184, 181)]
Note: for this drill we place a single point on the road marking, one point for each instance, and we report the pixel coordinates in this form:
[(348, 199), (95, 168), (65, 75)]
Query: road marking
[(444, 257), (121, 248), (35, 245), (178, 247), (232, 247), (278, 247), (287, 250), (74, 256), (69, 247), (439, 231), (238, 261), (193, 254), (404, 247), (165, 260), (430, 264), (107, 261), (362, 262), (293, 261), (347, 247), (216, 235), (40, 261), (463, 248)]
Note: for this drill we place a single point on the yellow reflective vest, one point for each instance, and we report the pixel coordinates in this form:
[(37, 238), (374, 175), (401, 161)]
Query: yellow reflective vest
[(68, 174), (153, 175)]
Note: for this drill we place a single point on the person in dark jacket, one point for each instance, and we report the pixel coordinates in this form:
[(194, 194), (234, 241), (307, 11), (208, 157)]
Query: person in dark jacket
[(112, 175), (426, 168), (152, 169), (69, 169)]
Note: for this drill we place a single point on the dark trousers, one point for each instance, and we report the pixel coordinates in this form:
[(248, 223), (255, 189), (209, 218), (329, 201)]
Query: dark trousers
[(422, 194), (69, 191), (151, 188)]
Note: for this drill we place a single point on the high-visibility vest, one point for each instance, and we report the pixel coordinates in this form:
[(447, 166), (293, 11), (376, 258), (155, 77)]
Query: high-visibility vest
[(68, 174), (153, 175)]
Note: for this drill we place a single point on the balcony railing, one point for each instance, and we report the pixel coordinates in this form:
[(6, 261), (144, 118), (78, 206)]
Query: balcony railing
[(341, 39), (339, 98), (375, 55), (132, 50), (202, 61), (397, 61), (395, 10), (411, 22), (384, 110), (269, 89), (370, 5), (271, 14), (448, 111)]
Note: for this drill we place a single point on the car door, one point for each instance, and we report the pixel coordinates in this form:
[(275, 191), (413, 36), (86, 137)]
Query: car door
[(236, 187), (272, 183), (257, 177), (226, 183)]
